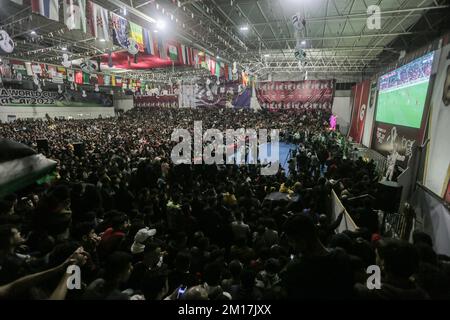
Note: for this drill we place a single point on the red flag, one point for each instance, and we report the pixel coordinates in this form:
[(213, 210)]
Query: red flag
[(191, 56), (360, 94), (79, 77)]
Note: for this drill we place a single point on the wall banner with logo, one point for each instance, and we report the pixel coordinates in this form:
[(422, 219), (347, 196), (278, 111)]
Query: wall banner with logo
[(26, 97), (308, 94), (19, 97)]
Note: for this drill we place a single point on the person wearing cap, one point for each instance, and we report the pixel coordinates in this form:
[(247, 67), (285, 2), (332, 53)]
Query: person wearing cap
[(140, 238)]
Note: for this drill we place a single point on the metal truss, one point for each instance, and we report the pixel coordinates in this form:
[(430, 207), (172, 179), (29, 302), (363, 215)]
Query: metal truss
[(336, 38)]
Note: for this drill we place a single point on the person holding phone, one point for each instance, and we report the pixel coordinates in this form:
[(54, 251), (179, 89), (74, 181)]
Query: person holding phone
[(180, 292)]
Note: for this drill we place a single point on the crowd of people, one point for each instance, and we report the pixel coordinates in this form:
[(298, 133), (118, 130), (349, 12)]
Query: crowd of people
[(140, 227)]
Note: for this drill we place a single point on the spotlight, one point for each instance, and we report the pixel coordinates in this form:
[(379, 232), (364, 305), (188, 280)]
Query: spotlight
[(33, 33), (303, 42), (244, 28)]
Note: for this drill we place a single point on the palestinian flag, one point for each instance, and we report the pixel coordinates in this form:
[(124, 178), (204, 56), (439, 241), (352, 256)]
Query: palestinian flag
[(173, 52)]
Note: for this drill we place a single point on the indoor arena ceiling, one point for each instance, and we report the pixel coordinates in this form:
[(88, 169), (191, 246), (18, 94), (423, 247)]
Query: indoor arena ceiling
[(258, 34)]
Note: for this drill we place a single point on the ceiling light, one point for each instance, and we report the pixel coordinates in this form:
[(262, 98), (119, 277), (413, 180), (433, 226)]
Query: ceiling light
[(160, 25), (102, 40), (64, 49), (33, 33), (217, 57), (155, 31), (244, 28), (303, 42), (266, 55)]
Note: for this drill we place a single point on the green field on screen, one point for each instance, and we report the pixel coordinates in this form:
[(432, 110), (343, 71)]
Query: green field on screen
[(403, 106)]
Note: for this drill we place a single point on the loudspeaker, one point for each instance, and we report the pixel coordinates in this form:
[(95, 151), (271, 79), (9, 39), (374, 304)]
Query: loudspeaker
[(42, 145), (388, 196), (78, 149)]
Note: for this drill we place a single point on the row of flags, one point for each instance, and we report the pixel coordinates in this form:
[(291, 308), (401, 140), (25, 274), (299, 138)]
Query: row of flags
[(15, 69), (86, 15)]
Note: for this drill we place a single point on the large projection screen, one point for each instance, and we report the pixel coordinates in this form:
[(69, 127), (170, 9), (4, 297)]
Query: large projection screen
[(402, 94)]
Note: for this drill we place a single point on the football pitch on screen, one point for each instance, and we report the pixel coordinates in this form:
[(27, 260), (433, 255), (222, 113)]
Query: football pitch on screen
[(403, 106)]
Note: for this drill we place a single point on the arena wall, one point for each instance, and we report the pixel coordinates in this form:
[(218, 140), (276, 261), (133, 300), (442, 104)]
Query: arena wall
[(343, 110), (8, 113), (438, 157)]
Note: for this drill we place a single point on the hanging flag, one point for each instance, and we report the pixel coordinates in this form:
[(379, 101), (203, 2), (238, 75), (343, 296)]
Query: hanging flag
[(107, 80), (148, 42), (183, 54), (46, 8), (40, 69), (51, 71), (75, 14), (156, 44), (180, 53), (100, 80), (113, 80), (5, 69), (162, 48), (192, 56), (212, 66), (110, 61), (189, 56), (59, 75), (173, 52), (222, 69), (62, 71), (205, 63), (98, 20), (195, 58), (86, 77), (136, 35), (118, 81), (70, 75), (18, 67), (44, 72), (204, 59), (28, 67), (78, 77), (119, 27), (217, 69)]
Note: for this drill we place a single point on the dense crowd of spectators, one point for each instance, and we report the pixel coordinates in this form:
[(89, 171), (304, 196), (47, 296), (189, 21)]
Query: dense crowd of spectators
[(140, 227)]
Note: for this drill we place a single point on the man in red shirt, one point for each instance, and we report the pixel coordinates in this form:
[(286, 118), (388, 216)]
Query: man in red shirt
[(112, 238)]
